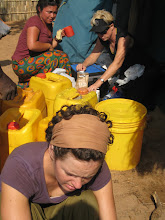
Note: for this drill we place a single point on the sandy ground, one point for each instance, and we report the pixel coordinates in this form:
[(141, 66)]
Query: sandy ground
[(133, 188)]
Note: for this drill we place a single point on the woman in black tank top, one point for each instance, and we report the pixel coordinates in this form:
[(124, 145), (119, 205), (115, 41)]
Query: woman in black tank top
[(112, 38)]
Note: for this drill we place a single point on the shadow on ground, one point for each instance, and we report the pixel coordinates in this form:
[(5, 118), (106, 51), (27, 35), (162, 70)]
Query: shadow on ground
[(16, 26), (153, 150), (5, 62)]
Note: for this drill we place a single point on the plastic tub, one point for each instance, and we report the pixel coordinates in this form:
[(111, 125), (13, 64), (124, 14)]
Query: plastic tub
[(128, 118)]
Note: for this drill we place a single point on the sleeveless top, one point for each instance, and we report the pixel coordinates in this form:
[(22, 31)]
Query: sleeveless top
[(130, 58)]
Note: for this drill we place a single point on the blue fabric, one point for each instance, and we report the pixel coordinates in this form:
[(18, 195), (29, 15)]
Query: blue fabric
[(78, 13), (92, 69)]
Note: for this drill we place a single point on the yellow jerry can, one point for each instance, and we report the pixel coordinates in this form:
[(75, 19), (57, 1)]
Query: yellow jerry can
[(17, 127), (50, 86), (42, 126), (27, 99), (71, 96)]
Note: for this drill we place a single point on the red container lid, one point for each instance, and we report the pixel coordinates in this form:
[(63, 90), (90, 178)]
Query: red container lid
[(41, 75), (13, 125), (82, 91), (115, 89)]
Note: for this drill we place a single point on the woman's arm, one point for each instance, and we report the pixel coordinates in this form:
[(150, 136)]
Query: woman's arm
[(14, 205), (32, 40), (115, 65), (91, 59), (105, 199)]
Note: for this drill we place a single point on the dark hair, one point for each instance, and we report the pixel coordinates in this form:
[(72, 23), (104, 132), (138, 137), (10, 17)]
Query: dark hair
[(44, 3), (79, 153), (66, 113)]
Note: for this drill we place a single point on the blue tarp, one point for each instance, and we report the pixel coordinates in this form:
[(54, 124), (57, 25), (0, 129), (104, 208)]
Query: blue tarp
[(78, 13), (4, 29)]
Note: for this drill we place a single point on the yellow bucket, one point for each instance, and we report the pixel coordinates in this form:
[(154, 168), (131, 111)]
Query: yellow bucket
[(70, 96), (128, 121), (27, 99), (50, 86), (27, 120)]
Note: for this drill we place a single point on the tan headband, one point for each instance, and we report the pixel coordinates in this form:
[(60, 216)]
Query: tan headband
[(81, 131)]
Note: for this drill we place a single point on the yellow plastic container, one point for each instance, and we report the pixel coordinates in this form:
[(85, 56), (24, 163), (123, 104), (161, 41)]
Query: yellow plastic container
[(72, 97), (27, 119), (27, 99), (128, 121), (42, 126), (50, 86)]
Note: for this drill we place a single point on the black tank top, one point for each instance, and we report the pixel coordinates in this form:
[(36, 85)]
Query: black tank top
[(130, 58)]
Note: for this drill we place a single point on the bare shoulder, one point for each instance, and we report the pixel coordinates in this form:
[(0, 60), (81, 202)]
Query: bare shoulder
[(127, 41)]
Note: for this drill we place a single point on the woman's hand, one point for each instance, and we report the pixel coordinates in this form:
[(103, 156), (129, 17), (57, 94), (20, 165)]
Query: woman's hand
[(63, 33), (58, 38), (95, 86), (59, 35), (80, 67), (51, 48)]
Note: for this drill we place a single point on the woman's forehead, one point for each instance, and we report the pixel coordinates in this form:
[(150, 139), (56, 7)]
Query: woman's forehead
[(78, 167)]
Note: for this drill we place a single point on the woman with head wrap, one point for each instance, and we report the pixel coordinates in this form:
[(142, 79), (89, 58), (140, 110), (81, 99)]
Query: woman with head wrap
[(65, 177)]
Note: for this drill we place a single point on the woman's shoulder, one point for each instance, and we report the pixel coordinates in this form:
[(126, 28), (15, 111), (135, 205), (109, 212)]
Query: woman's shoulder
[(34, 21), (30, 149), (24, 168), (29, 154), (120, 32), (33, 18)]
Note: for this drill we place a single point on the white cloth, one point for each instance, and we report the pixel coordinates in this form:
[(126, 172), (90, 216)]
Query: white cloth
[(132, 73), (62, 72)]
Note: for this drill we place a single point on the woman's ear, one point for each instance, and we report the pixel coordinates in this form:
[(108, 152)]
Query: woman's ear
[(39, 9), (51, 151)]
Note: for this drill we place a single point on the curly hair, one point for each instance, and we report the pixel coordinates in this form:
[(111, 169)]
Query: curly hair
[(102, 14), (44, 3), (66, 113)]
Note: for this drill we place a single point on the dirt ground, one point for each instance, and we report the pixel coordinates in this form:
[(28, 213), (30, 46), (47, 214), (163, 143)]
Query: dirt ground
[(133, 188)]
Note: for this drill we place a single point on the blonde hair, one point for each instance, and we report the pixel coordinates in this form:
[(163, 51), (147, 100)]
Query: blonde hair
[(102, 14)]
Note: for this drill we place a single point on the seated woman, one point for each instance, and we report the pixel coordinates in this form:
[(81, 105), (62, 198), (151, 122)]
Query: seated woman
[(116, 41), (35, 51), (64, 178)]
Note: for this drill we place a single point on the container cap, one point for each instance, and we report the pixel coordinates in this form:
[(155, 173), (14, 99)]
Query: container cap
[(82, 91), (13, 125), (41, 75), (121, 110)]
